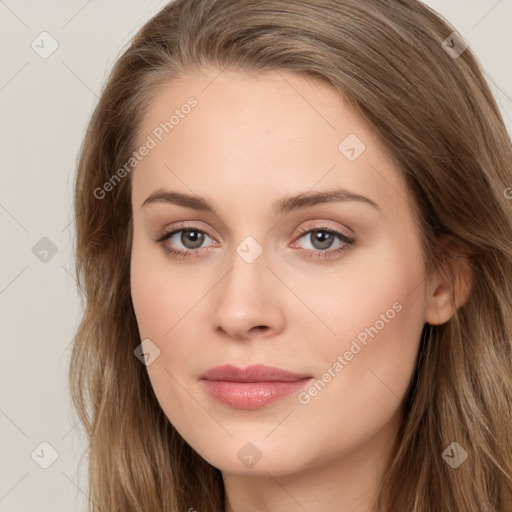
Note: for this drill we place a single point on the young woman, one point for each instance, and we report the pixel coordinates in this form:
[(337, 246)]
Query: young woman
[(294, 241)]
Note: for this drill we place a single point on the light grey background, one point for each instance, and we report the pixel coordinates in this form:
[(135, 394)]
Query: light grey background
[(45, 106)]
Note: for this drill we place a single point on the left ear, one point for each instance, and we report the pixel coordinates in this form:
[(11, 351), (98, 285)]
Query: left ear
[(450, 287)]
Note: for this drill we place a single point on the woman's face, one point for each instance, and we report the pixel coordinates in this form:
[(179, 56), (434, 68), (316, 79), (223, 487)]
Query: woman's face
[(297, 249)]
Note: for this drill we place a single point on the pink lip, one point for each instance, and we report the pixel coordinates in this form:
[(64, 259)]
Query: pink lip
[(253, 387)]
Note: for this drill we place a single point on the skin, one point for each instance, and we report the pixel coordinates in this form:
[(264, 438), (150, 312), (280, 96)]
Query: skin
[(251, 140)]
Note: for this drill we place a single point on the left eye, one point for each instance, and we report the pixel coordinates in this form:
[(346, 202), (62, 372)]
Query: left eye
[(323, 239)]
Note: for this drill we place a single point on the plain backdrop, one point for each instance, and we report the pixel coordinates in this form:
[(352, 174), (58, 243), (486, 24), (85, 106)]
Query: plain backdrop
[(45, 104)]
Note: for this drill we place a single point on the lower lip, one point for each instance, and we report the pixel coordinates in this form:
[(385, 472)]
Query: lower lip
[(252, 395)]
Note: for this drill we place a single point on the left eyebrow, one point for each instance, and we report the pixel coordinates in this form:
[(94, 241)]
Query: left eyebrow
[(281, 206), (308, 199)]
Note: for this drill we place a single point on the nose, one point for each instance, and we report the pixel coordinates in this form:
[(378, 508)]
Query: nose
[(247, 301)]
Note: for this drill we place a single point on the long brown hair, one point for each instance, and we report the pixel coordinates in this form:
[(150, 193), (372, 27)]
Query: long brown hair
[(440, 123)]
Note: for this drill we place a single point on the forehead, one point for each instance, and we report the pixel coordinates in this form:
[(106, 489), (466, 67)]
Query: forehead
[(263, 133), (233, 101)]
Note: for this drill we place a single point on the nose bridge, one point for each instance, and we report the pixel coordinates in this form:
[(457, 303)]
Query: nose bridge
[(246, 295), (247, 280)]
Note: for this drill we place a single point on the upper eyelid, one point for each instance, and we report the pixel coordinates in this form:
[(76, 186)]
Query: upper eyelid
[(183, 225), (308, 229)]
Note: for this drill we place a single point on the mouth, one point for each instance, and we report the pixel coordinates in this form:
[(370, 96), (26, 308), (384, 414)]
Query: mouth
[(253, 387)]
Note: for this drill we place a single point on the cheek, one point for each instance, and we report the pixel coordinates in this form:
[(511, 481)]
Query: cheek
[(162, 294), (368, 364), (165, 299), (372, 295), (161, 300)]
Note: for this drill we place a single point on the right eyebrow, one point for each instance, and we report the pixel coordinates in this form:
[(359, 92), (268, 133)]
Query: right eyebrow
[(189, 201)]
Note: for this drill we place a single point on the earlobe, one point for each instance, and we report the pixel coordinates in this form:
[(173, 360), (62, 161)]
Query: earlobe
[(448, 291)]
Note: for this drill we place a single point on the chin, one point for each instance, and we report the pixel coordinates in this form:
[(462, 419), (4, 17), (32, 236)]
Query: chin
[(257, 458)]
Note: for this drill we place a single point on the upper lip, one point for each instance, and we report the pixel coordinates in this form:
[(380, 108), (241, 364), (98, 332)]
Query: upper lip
[(255, 373)]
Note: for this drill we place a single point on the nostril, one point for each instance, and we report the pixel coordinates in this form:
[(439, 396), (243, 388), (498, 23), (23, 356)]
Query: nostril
[(259, 328)]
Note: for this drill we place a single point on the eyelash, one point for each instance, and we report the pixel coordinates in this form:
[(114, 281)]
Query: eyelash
[(348, 241)]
